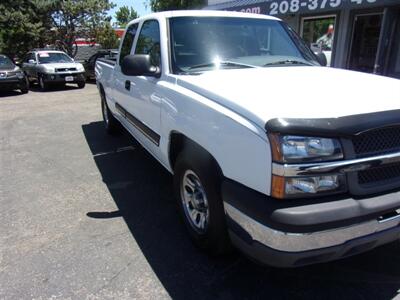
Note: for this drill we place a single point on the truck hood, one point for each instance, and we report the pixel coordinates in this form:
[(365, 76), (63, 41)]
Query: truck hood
[(262, 94)]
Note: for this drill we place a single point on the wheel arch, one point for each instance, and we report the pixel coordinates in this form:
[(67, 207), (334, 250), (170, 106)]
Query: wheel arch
[(101, 88), (178, 142)]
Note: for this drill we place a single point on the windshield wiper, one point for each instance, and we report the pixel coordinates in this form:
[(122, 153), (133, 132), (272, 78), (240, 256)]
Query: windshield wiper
[(221, 64), (287, 62)]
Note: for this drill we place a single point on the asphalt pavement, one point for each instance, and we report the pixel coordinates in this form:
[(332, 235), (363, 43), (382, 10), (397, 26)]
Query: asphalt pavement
[(87, 216)]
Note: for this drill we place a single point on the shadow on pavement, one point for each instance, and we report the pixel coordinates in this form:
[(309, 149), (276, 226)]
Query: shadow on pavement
[(142, 191), (10, 93)]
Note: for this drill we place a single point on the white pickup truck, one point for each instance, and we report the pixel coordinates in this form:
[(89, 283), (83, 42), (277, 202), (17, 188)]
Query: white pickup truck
[(291, 162)]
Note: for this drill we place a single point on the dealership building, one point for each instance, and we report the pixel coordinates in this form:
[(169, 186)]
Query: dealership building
[(361, 35)]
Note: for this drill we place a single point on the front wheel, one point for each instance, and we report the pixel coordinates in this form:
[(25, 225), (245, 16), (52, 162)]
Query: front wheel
[(43, 85), (197, 191), (24, 90), (25, 87), (81, 84)]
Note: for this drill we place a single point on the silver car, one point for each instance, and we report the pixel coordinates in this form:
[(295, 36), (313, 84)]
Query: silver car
[(48, 67)]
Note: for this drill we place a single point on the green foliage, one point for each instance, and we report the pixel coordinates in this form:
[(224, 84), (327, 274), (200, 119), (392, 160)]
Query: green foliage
[(22, 26), (77, 18), (124, 15), (27, 24), (107, 37), (162, 5)]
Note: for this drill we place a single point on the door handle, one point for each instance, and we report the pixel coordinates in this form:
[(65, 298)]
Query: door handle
[(128, 85)]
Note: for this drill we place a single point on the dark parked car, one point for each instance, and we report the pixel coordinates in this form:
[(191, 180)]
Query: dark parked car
[(90, 63), (11, 76)]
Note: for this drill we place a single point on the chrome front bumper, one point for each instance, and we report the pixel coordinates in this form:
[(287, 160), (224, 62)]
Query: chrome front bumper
[(298, 242)]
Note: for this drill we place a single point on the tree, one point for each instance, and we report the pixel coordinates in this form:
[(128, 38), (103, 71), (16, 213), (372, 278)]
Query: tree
[(124, 15), (22, 26), (77, 18), (107, 37), (27, 24), (162, 5)]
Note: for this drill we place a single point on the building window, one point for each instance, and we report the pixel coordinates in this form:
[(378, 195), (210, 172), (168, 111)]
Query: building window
[(365, 42), (319, 33)]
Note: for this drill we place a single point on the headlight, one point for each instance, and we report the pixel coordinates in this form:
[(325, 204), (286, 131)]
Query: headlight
[(49, 69), (298, 187), (287, 149), (19, 74), (297, 149), (80, 68)]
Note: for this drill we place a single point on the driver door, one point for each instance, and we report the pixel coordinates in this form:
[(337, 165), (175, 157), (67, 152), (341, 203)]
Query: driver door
[(143, 101), (29, 67)]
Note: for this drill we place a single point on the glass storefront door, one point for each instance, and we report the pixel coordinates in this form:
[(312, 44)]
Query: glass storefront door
[(365, 40), (319, 33), (393, 65)]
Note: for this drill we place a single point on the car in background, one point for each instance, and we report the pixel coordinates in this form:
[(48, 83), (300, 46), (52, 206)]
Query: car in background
[(49, 67), (11, 76), (90, 63)]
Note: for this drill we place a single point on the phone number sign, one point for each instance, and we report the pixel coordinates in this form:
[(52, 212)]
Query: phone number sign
[(283, 7)]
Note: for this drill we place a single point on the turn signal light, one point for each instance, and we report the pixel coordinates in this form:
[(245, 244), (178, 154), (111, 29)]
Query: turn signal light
[(278, 187)]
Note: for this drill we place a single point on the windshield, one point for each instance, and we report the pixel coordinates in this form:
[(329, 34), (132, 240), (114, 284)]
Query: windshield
[(5, 62), (204, 43), (53, 57)]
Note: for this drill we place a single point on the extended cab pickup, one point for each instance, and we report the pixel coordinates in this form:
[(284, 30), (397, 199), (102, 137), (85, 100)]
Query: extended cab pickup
[(291, 162)]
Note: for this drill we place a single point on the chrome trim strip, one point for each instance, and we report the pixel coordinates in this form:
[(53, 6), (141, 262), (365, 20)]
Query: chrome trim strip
[(389, 219), (352, 165), (297, 242), (140, 126)]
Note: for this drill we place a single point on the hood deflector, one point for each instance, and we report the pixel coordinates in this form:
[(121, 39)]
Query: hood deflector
[(335, 127)]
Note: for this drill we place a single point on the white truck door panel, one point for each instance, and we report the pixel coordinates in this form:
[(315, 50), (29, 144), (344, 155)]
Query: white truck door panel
[(121, 95), (142, 97)]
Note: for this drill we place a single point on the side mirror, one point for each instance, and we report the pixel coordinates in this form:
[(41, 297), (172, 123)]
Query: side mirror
[(321, 58), (139, 65), (32, 61)]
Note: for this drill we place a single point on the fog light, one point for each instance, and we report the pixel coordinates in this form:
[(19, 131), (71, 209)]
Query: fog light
[(307, 186)]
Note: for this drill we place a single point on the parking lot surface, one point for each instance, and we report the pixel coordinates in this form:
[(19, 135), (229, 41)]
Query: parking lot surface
[(88, 216)]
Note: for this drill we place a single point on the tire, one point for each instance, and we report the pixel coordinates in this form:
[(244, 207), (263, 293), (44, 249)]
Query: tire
[(25, 88), (197, 165), (81, 84), (111, 124), (42, 84)]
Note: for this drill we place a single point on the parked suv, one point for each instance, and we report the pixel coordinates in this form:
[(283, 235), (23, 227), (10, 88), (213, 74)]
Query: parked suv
[(52, 67), (11, 76)]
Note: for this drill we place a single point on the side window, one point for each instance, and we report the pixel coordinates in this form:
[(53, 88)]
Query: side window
[(128, 41), (93, 59), (149, 41), (28, 57)]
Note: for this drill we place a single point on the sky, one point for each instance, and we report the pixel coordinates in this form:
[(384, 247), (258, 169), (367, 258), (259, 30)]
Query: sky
[(138, 5)]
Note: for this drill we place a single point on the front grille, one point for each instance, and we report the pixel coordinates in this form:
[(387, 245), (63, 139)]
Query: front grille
[(382, 175), (376, 142), (65, 69)]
